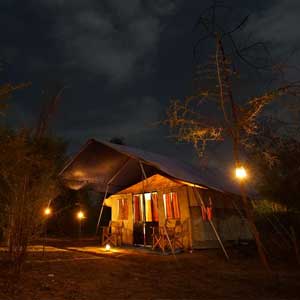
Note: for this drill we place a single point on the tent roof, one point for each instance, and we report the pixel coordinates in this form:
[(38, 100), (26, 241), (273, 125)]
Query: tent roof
[(155, 182), (100, 163)]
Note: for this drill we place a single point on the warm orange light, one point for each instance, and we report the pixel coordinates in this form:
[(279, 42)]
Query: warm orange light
[(107, 247), (241, 173), (80, 215), (47, 211), (78, 173)]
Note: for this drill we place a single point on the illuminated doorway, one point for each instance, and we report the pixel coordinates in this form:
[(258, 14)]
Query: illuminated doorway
[(145, 217)]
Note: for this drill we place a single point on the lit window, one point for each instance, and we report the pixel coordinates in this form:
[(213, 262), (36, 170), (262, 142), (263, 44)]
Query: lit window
[(148, 208), (171, 206), (145, 208)]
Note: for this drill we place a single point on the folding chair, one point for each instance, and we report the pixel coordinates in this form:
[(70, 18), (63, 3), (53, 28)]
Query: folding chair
[(112, 234), (180, 232), (159, 238), (167, 235)]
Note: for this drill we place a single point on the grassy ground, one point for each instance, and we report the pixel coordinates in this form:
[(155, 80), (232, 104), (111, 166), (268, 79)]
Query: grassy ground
[(86, 272)]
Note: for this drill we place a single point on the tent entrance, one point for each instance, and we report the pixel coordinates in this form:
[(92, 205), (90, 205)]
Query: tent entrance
[(145, 217), (141, 228)]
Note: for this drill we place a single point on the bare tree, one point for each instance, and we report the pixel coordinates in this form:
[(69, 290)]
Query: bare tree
[(53, 97), (214, 93)]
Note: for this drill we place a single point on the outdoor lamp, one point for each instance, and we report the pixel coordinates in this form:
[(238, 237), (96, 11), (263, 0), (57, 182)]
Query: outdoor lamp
[(240, 173), (47, 211), (80, 215), (107, 247)]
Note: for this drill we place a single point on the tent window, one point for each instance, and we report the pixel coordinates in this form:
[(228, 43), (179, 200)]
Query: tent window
[(138, 208), (171, 206), (145, 210), (148, 208), (154, 198), (123, 209)]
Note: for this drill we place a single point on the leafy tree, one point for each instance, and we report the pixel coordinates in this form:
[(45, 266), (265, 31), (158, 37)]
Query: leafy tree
[(29, 181), (276, 161)]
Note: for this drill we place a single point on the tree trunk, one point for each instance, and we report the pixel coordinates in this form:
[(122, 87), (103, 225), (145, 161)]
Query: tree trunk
[(233, 126)]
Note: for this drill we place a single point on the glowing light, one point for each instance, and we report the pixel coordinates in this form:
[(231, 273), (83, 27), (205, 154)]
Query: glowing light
[(78, 173), (240, 173), (47, 211), (80, 215), (107, 247)]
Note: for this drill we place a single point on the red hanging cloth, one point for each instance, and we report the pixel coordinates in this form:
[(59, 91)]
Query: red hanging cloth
[(175, 206), (136, 201), (209, 213), (154, 207), (168, 206), (209, 210)]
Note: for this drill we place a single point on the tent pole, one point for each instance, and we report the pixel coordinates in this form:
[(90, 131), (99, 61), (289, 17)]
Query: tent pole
[(144, 202), (169, 241), (101, 210), (212, 224), (143, 170), (190, 221), (106, 191)]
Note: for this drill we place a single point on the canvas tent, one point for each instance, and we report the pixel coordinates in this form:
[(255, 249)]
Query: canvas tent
[(130, 176)]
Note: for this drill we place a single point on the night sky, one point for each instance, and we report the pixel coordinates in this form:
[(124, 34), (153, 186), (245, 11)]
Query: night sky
[(122, 60)]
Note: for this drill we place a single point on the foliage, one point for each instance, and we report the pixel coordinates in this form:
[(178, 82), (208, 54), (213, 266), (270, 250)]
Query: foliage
[(276, 161), (28, 179), (5, 93), (65, 207)]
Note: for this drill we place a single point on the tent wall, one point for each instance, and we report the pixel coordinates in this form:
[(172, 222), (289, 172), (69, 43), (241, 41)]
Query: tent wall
[(151, 186), (227, 211), (113, 202)]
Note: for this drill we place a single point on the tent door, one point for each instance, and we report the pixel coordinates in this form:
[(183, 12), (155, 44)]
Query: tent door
[(143, 221), (141, 228)]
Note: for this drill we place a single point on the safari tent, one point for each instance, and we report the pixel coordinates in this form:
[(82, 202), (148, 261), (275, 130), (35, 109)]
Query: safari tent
[(144, 190)]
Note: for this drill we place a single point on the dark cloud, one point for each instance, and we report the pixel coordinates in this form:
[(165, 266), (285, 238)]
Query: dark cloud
[(278, 23), (122, 62), (133, 118), (112, 38)]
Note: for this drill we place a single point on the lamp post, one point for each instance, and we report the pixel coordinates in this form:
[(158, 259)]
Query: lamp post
[(241, 173), (80, 217), (47, 213)]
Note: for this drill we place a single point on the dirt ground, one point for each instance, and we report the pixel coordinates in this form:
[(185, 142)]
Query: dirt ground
[(86, 272)]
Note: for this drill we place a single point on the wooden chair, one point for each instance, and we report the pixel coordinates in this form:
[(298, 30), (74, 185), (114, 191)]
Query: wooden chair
[(159, 238), (170, 235), (112, 234), (180, 232)]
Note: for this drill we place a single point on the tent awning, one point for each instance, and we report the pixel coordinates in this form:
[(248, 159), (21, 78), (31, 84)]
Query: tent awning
[(99, 164)]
